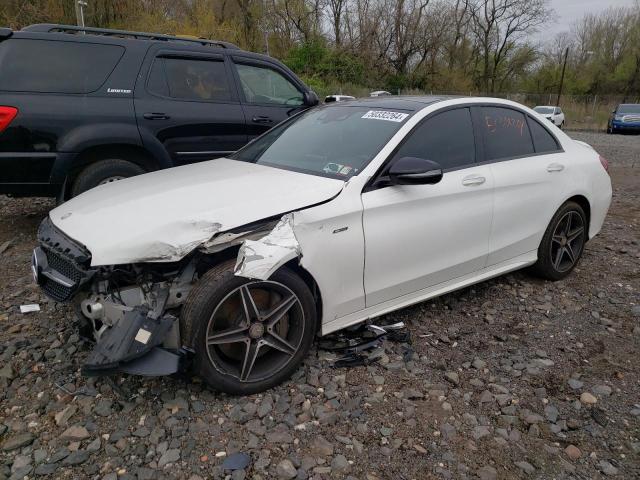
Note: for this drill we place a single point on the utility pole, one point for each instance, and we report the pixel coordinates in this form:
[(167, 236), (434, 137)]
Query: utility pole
[(80, 4), (564, 67)]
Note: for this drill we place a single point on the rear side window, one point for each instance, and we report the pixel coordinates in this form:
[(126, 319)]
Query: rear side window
[(543, 141), (446, 138), (189, 79), (506, 133), (55, 67)]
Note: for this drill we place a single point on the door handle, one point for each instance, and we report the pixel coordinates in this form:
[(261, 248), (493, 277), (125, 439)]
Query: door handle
[(472, 180), (261, 119), (555, 167), (156, 116)]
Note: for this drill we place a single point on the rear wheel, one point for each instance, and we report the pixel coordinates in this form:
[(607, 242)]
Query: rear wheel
[(102, 172), (563, 243), (249, 335)]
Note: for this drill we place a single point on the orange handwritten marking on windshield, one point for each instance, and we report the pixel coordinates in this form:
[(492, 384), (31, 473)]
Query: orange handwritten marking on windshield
[(504, 122)]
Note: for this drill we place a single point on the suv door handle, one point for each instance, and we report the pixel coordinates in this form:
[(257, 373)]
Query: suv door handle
[(156, 116), (472, 180), (555, 167), (261, 119)]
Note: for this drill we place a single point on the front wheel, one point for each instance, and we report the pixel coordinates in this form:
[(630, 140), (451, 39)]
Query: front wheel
[(248, 335), (563, 243)]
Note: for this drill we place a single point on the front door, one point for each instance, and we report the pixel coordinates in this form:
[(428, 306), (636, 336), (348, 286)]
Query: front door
[(268, 95), (190, 105), (418, 236)]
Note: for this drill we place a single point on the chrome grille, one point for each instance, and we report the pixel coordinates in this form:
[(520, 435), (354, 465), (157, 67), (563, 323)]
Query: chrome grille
[(66, 267), (631, 118)]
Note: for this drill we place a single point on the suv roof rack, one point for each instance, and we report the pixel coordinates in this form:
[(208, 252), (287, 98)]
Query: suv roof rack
[(57, 28)]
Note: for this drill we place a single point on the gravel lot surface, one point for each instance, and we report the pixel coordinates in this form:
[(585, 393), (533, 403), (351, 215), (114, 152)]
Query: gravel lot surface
[(512, 378)]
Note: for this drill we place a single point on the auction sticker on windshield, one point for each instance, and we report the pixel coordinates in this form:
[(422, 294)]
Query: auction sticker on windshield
[(384, 115)]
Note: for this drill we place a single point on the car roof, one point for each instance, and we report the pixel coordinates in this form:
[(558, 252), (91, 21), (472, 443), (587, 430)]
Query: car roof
[(54, 28), (410, 103)]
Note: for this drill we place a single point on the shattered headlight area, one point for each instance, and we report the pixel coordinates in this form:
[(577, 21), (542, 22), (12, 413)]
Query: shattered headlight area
[(59, 265), (129, 310)]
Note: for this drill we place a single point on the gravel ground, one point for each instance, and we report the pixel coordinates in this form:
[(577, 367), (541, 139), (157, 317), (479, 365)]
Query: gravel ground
[(512, 378)]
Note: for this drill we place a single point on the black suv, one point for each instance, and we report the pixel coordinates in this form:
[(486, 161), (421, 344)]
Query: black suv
[(84, 106)]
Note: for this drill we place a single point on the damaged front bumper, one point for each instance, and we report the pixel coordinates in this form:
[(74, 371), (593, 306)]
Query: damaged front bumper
[(133, 332), (133, 346)]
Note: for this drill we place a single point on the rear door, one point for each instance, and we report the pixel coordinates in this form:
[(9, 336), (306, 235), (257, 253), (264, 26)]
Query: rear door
[(268, 93), (188, 102), (529, 170)]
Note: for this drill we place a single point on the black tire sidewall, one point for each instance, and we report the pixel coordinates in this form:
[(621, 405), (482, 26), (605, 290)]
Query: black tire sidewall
[(211, 290), (544, 266), (93, 174)]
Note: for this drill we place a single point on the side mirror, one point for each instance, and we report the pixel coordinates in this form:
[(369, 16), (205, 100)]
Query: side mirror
[(310, 98), (415, 171)]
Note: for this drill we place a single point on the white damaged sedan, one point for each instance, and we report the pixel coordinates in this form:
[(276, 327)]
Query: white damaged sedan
[(336, 216)]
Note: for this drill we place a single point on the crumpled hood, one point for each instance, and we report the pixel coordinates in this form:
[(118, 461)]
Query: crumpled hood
[(164, 215)]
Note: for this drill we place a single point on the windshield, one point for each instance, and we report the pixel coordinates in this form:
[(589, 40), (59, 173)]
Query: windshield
[(630, 108), (333, 141), (544, 110)]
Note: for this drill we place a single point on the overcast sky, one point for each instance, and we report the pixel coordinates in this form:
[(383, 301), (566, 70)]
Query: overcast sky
[(568, 11)]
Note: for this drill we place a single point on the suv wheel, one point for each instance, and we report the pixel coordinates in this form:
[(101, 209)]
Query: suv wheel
[(102, 172), (248, 335)]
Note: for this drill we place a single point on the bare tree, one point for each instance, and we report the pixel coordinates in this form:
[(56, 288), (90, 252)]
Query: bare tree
[(499, 26)]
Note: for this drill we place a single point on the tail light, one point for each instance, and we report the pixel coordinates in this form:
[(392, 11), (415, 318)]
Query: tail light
[(7, 114), (605, 163)]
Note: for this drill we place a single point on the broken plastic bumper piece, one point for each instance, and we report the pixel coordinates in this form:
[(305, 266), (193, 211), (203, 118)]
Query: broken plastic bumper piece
[(133, 346)]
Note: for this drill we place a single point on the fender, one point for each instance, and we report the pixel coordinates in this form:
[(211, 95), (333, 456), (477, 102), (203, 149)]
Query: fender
[(103, 134)]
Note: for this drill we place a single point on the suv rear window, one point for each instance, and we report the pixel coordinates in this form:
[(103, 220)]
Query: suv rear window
[(48, 66)]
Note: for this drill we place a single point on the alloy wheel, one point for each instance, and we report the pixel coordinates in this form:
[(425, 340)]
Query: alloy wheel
[(255, 331), (567, 241)]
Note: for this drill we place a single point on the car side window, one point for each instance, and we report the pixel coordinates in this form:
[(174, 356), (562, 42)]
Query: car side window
[(506, 133), (543, 141), (189, 79), (267, 86), (446, 138)]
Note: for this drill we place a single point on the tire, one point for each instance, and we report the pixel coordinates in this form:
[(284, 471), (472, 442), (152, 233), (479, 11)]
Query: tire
[(609, 130), (563, 243), (214, 323), (104, 171)]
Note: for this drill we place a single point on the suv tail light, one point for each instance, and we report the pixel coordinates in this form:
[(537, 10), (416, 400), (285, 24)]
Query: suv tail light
[(7, 114), (605, 163)]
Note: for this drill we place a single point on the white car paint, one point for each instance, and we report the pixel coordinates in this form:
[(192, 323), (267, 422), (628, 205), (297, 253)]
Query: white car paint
[(556, 115), (369, 252)]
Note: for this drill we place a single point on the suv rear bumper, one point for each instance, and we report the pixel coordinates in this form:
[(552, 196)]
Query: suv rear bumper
[(32, 174), (626, 126)]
